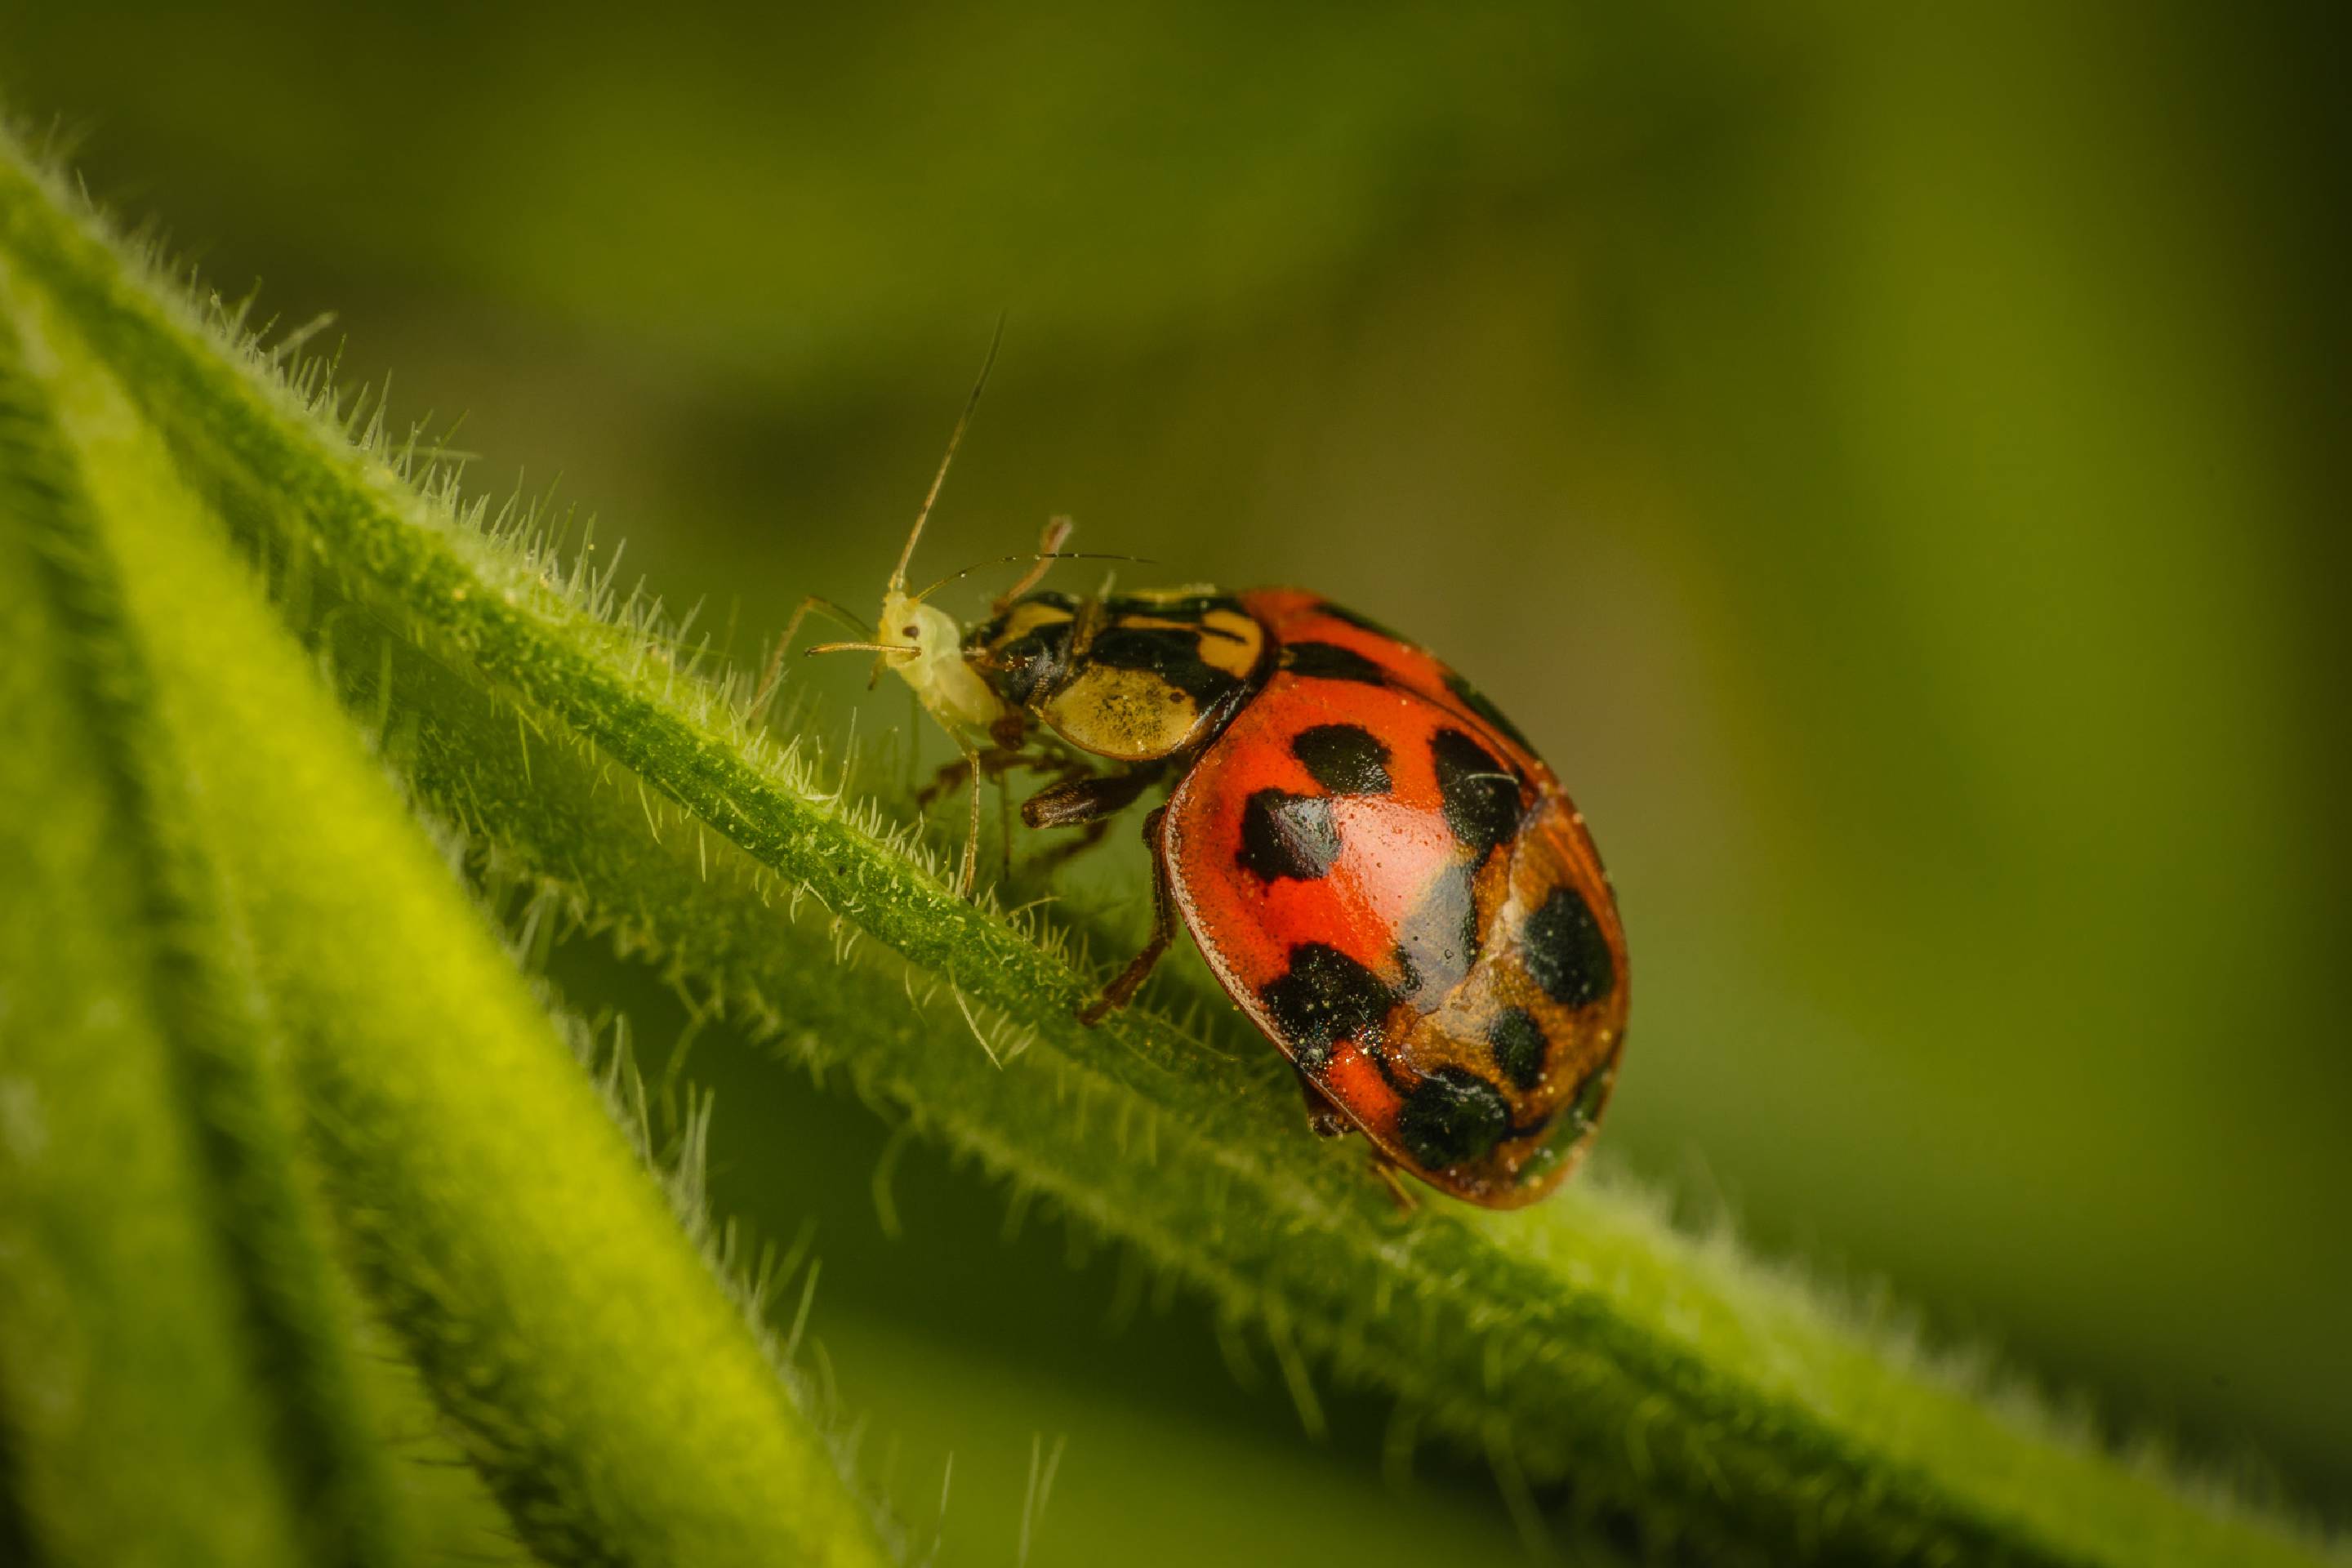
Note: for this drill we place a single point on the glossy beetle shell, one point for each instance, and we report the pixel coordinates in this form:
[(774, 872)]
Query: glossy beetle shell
[(1375, 865)]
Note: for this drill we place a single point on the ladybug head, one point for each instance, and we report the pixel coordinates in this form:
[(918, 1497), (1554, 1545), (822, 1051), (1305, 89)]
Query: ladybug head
[(1025, 648)]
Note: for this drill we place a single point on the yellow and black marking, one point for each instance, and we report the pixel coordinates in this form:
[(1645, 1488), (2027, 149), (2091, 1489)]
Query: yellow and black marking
[(1135, 678)]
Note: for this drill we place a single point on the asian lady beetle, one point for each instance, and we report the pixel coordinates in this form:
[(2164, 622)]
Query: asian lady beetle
[(1376, 865)]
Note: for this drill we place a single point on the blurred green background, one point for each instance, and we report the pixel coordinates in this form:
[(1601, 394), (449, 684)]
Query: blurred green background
[(1887, 458)]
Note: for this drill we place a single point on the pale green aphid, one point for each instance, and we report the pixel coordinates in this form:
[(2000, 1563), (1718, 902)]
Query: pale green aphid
[(923, 645)]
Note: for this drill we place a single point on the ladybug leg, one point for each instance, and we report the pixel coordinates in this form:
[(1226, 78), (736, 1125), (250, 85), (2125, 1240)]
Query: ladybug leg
[(958, 772), (1004, 835), (1086, 800), (948, 775), (1324, 1118), (1063, 767), (995, 761), (1090, 835), (1386, 1170), (1065, 770), (1163, 930)]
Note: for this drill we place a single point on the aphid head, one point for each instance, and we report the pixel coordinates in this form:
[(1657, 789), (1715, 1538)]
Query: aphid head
[(925, 648), (953, 675), (924, 645)]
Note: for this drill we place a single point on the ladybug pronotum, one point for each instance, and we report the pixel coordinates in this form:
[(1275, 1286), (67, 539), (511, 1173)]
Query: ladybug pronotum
[(1373, 861)]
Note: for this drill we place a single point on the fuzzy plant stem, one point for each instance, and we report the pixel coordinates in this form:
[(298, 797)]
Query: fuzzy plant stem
[(604, 1380), (1586, 1340)]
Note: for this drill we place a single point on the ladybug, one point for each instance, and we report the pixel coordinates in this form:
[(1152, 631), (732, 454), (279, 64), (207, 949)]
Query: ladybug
[(1372, 859)]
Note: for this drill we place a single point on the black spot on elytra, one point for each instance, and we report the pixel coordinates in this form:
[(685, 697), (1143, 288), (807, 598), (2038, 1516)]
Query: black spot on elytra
[(1480, 795), (1286, 834), (1438, 939), (1452, 1116), (1519, 1046), (1329, 661), (1323, 998), (1345, 759), (1479, 703), (1361, 623), (1565, 952)]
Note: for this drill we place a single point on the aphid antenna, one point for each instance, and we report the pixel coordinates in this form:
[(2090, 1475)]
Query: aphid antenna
[(885, 647), (955, 438), (1036, 555), (817, 602)]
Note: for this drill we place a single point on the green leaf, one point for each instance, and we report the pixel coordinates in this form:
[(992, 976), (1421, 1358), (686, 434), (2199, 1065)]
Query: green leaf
[(1667, 1375), (602, 1376), (160, 1317)]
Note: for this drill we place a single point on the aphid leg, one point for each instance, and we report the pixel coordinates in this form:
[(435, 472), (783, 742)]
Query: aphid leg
[(776, 670), (1057, 533), (1323, 1118), (1163, 926), (972, 840)]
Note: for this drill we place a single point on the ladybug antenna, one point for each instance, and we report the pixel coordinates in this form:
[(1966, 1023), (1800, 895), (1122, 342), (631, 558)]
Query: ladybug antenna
[(898, 577)]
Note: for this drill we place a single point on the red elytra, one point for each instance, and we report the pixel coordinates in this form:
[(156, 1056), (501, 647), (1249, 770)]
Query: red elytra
[(1454, 980)]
